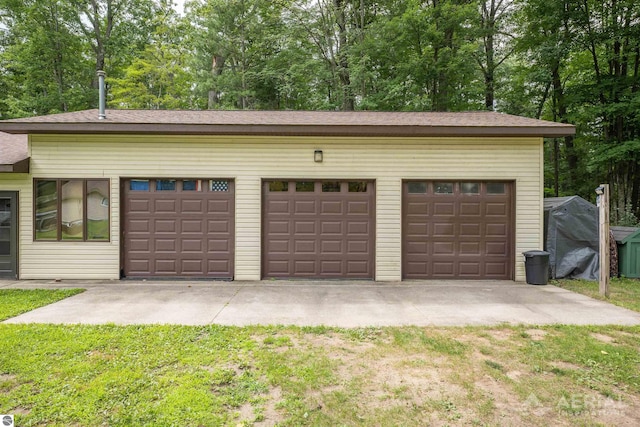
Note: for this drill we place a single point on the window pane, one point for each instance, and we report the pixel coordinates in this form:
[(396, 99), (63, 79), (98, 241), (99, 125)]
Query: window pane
[(72, 212), (331, 187), (46, 210), (219, 185), (5, 226), (139, 185), (358, 187), (278, 186), (443, 187), (470, 188), (98, 210), (305, 186), (191, 185), (417, 187), (496, 188), (165, 185)]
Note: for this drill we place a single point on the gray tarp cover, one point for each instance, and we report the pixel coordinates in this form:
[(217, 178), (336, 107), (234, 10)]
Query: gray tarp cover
[(571, 237)]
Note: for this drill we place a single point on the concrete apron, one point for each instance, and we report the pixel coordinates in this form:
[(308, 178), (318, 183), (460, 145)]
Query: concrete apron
[(312, 303)]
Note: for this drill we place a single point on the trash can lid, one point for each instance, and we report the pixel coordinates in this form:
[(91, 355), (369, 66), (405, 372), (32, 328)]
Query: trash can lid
[(531, 254)]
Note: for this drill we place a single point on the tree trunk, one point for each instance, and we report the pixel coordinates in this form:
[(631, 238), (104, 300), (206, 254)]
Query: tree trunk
[(348, 101)]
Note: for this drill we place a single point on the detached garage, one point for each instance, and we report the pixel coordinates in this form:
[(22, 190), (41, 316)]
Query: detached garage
[(251, 195)]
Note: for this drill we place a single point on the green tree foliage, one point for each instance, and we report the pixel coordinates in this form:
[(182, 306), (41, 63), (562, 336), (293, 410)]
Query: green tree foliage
[(157, 78), (39, 66)]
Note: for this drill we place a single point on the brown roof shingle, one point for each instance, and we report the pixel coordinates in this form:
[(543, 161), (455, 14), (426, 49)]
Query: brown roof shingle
[(250, 122), (13, 150)]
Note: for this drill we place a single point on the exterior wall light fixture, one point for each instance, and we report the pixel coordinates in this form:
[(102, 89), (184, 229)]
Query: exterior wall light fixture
[(317, 156)]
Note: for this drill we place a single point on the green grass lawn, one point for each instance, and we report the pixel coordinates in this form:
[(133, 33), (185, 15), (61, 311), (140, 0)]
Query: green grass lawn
[(17, 301), (623, 292), (82, 375), (209, 376)]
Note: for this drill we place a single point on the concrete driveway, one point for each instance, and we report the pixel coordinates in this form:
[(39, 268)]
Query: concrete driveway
[(311, 303)]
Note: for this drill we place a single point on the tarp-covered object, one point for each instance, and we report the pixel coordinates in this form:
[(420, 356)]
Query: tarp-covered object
[(571, 237)]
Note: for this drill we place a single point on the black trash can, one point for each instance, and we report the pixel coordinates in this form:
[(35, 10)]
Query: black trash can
[(536, 265)]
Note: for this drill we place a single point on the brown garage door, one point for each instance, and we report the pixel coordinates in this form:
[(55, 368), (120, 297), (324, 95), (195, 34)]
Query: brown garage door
[(318, 229), (178, 228), (457, 230)]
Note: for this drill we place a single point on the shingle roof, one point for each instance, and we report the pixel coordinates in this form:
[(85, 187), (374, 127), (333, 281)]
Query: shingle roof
[(13, 150), (250, 122)]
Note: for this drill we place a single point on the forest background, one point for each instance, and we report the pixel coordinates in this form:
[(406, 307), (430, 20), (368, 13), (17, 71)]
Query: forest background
[(570, 61)]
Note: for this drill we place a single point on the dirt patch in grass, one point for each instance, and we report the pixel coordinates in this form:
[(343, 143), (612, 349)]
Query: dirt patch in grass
[(536, 334), (603, 338)]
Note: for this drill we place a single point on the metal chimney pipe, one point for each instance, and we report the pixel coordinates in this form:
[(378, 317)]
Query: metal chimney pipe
[(102, 107)]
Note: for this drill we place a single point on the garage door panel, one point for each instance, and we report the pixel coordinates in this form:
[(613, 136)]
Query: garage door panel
[(417, 208), (187, 233), (355, 208), (328, 229), (139, 225), (165, 245), (469, 235), (417, 229), (495, 269), (358, 247), (496, 248), (332, 247), (191, 206), (165, 225), (443, 208), (443, 268), (192, 245), (220, 246), (279, 268), (305, 227), (279, 227), (470, 209), (305, 207), (192, 266), (417, 247), (191, 226), (470, 248), (222, 226), (140, 266), (443, 248), (139, 206), (470, 230), (331, 207), (496, 230), (305, 246), (304, 267), (218, 206), (331, 228), (470, 269), (331, 268), (279, 246), (278, 206), (356, 267), (165, 206), (166, 267), (355, 228), (140, 245), (496, 209), (443, 229)]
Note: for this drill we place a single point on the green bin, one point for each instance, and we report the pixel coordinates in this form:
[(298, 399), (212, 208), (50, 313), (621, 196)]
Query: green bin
[(536, 265)]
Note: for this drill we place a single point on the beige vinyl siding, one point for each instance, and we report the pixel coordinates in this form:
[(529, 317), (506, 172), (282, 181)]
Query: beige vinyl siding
[(248, 160)]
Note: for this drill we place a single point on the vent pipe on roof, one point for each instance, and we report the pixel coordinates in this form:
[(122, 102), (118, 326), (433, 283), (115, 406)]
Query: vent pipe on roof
[(102, 107)]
